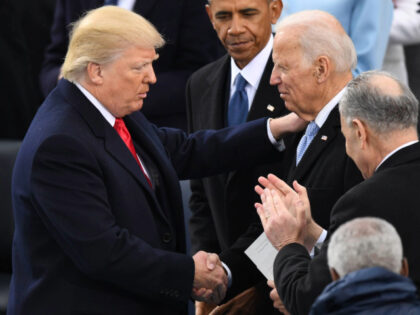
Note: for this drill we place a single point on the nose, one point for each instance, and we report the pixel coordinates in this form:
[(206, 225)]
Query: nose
[(236, 26), (150, 76), (275, 78)]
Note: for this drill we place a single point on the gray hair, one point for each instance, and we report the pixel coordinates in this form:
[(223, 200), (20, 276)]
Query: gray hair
[(319, 38), (382, 111), (363, 243)]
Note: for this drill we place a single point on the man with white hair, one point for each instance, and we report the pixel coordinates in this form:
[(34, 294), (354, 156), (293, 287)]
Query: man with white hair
[(99, 225), (379, 122), (313, 58), (365, 257)]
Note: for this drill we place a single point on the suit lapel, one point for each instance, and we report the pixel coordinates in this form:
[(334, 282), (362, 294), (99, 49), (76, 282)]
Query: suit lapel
[(216, 96), (148, 142), (103, 130), (267, 101), (324, 137)]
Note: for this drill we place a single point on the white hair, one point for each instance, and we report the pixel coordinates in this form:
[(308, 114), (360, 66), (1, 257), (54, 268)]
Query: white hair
[(363, 243), (322, 35)]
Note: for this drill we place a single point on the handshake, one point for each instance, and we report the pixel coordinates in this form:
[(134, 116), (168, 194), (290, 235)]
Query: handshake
[(210, 279)]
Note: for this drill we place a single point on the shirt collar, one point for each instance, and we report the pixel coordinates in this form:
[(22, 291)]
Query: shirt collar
[(395, 151), (326, 110), (101, 108), (253, 71)]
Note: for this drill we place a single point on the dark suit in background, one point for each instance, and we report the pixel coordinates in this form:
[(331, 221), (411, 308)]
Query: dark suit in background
[(222, 206), (391, 194), (91, 236), (190, 44), (412, 60), (24, 33), (327, 173)]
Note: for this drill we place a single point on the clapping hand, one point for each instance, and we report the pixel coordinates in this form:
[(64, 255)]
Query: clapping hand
[(286, 213)]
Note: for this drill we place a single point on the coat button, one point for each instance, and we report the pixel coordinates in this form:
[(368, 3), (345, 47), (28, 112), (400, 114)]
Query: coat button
[(167, 237)]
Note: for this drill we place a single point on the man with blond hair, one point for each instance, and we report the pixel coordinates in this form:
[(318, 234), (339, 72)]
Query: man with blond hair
[(99, 225)]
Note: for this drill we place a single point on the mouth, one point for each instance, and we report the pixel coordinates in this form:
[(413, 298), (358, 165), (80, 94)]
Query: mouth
[(238, 45), (142, 95)]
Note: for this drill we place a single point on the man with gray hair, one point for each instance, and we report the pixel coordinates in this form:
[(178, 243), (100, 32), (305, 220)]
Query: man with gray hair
[(365, 257), (379, 122)]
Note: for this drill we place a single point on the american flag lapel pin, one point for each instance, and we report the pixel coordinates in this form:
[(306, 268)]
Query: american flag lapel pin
[(324, 138)]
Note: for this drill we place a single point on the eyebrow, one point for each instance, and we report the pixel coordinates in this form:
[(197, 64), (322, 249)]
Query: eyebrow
[(248, 10), (242, 11)]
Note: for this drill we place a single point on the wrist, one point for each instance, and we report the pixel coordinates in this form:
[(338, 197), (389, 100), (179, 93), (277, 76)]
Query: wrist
[(314, 231)]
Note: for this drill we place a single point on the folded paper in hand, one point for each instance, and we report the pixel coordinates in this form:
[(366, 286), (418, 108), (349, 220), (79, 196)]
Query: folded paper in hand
[(263, 254)]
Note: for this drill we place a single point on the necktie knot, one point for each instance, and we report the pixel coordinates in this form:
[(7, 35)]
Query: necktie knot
[(312, 129), (240, 83), (122, 130)]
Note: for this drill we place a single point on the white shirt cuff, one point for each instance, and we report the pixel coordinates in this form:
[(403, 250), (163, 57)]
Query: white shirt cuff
[(279, 145), (229, 274), (319, 242)]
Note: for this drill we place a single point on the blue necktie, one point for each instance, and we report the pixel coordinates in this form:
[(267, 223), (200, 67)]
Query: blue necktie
[(110, 2), (238, 104), (305, 141)]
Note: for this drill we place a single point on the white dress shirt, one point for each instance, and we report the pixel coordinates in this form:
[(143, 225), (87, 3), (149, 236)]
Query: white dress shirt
[(106, 114), (252, 72)]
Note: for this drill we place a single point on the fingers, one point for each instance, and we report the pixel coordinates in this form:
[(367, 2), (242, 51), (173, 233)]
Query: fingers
[(301, 190), (268, 204), (261, 214), (279, 184), (270, 283), (212, 261), (274, 295), (259, 190), (264, 182)]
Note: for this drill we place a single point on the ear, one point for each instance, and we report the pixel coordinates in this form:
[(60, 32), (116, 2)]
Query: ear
[(276, 6), (361, 132), (209, 13), (334, 274), (322, 68), (404, 268), (94, 73)]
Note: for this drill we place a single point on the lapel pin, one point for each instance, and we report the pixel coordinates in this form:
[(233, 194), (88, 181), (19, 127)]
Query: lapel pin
[(270, 107), (324, 138)]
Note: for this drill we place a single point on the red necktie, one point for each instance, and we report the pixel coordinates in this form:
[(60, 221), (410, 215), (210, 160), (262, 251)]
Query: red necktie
[(122, 130)]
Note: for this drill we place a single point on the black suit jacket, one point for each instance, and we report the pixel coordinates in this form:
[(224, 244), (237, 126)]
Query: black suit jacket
[(222, 206), (91, 235), (190, 44), (326, 171), (391, 194)]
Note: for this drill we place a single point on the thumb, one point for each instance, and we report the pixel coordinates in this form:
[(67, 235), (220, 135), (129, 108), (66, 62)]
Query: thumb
[(301, 190), (212, 260), (300, 214)]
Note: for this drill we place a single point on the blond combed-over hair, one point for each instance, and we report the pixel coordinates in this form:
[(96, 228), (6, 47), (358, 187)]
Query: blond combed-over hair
[(102, 34)]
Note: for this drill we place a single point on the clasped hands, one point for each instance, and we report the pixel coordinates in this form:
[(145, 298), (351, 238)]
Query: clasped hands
[(210, 279), (285, 213)]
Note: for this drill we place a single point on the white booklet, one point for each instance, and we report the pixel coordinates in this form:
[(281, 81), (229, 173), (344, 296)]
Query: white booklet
[(263, 254)]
